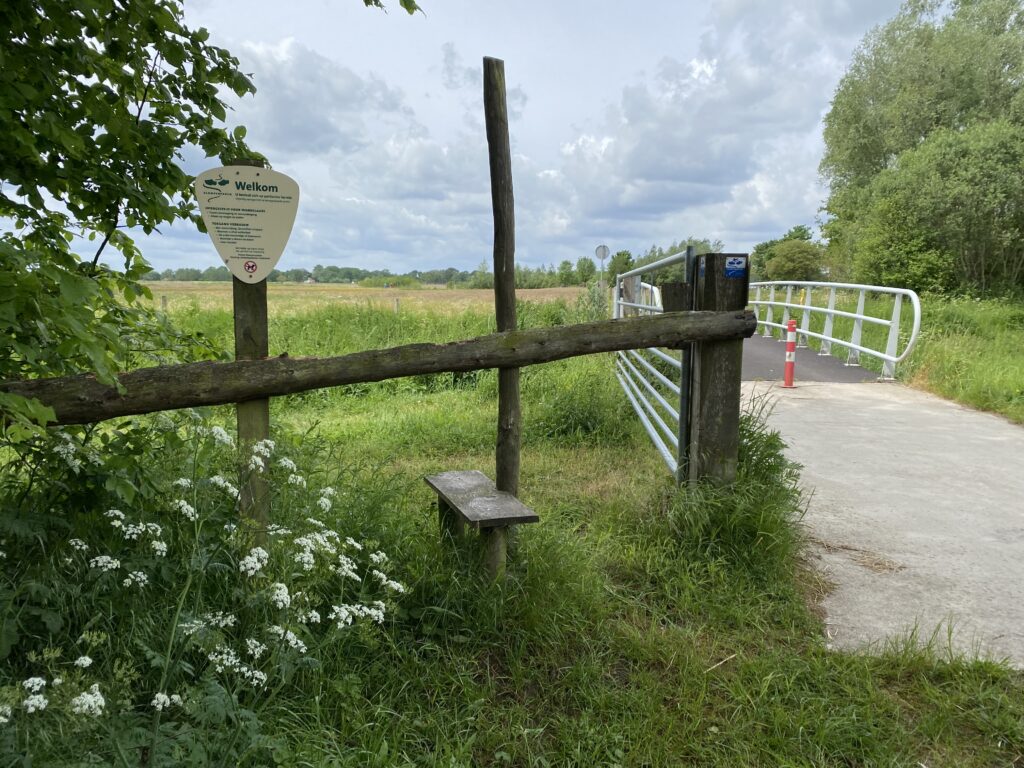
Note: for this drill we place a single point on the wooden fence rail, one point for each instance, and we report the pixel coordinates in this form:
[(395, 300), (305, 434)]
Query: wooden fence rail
[(82, 399)]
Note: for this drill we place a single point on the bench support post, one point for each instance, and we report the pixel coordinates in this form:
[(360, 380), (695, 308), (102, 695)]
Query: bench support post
[(495, 542), (453, 527)]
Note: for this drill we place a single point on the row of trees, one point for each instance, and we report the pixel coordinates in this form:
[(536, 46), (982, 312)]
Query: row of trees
[(566, 274), (925, 151)]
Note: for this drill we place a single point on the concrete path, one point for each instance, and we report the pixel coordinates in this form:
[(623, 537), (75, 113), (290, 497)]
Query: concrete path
[(917, 513)]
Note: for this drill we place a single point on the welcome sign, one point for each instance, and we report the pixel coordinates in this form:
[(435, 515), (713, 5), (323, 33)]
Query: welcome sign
[(249, 213)]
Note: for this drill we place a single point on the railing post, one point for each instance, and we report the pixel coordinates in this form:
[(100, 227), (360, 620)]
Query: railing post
[(770, 317), (858, 325), (888, 366), (805, 321), (826, 343), (785, 310), (722, 285)]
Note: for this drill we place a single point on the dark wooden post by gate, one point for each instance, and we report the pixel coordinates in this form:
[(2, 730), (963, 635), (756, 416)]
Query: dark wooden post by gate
[(252, 343), (509, 424), (722, 284)]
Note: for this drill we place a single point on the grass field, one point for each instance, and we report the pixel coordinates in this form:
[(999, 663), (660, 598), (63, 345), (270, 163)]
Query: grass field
[(638, 626)]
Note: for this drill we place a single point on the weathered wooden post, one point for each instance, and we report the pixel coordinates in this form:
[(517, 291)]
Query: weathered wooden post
[(502, 203), (722, 284), (249, 211)]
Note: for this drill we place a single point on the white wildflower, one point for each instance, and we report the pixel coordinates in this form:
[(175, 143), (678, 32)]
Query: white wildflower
[(105, 563), (35, 703), (255, 648), (289, 637), (279, 595), (159, 548), (132, 531), (309, 616), (226, 660), (83, 662), (58, 681), (136, 577), (263, 448), (224, 485), (328, 492), (153, 529), (34, 684), (306, 559), (67, 450), (230, 528), (116, 517), (256, 464), (221, 436), (182, 482), (160, 702), (346, 568), (287, 463), (253, 563), (354, 544), (383, 579), (89, 702), (186, 509), (324, 503), (343, 615), (176, 700), (219, 619), (78, 544), (298, 480), (378, 558), (317, 523), (5, 714), (278, 530)]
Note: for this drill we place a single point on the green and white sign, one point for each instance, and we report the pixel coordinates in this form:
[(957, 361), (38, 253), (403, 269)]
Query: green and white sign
[(249, 213)]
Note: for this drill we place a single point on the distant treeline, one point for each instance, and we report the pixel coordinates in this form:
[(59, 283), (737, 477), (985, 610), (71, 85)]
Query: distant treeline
[(565, 274)]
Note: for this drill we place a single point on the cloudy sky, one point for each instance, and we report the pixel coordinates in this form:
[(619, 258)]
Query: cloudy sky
[(632, 123)]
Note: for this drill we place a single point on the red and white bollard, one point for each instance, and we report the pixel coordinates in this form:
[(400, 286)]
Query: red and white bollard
[(787, 379)]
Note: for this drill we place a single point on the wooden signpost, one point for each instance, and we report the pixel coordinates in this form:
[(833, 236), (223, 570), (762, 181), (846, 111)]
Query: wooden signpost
[(249, 211)]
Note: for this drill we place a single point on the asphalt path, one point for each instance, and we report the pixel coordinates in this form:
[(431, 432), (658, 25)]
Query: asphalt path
[(916, 506)]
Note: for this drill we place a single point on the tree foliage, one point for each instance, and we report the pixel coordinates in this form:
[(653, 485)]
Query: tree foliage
[(763, 252), (936, 69), (98, 101), (794, 259)]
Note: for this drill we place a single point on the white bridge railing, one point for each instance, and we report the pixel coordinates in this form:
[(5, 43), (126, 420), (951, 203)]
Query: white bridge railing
[(808, 299)]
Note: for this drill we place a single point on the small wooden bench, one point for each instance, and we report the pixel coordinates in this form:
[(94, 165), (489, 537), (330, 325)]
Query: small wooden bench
[(469, 498)]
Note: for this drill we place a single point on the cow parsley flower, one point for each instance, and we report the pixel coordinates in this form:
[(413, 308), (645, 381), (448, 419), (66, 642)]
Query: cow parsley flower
[(255, 648), (67, 450), (136, 577), (224, 485), (160, 702), (105, 563), (5, 714), (34, 684), (306, 559), (253, 563), (78, 544), (309, 616), (89, 702), (83, 662), (383, 579), (287, 464), (354, 544), (185, 509), (378, 558), (35, 703), (346, 568), (219, 435), (182, 482), (278, 530), (298, 480), (132, 531), (289, 637), (279, 595), (324, 503), (116, 517), (159, 548)]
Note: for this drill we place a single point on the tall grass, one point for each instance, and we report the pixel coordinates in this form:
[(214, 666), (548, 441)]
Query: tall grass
[(638, 626)]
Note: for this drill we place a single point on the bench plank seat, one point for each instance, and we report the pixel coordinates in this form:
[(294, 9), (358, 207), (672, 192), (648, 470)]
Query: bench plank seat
[(474, 497)]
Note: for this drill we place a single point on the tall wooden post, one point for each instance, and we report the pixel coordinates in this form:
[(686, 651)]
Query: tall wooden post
[(509, 425), (252, 343), (722, 284)]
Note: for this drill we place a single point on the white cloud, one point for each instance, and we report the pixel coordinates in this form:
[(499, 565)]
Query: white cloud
[(644, 124)]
